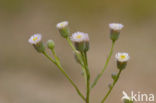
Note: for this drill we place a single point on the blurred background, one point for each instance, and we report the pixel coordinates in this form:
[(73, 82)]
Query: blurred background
[(28, 77)]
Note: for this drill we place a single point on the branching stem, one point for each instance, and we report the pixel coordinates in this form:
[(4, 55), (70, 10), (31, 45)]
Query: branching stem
[(57, 63), (111, 87), (105, 66)]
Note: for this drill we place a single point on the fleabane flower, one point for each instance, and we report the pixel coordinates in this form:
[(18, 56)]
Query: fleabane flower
[(116, 26), (63, 28), (122, 59), (35, 39), (115, 29), (62, 24), (81, 41), (80, 37)]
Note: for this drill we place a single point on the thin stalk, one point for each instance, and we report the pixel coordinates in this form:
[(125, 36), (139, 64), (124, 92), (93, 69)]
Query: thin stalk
[(115, 81), (84, 63), (105, 66), (84, 56), (57, 63), (79, 56), (71, 45)]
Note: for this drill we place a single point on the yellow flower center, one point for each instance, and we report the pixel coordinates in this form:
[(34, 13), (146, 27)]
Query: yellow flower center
[(79, 36), (122, 56), (35, 38), (61, 24)]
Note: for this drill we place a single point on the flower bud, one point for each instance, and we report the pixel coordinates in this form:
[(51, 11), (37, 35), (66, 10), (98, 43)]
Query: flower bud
[(50, 44), (114, 76), (81, 41), (122, 59), (35, 40), (63, 29), (115, 29)]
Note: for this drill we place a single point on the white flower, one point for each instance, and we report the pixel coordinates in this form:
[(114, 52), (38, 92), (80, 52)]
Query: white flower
[(122, 57), (125, 96), (116, 26), (79, 37), (62, 24), (34, 39)]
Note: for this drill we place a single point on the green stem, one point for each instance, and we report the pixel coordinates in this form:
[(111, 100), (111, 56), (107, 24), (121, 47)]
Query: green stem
[(84, 64), (88, 80), (57, 63), (105, 66), (84, 56), (71, 44), (112, 86), (79, 56)]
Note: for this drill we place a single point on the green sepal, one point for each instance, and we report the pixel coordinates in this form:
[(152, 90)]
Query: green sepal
[(64, 32), (82, 46), (121, 65), (39, 47), (114, 35)]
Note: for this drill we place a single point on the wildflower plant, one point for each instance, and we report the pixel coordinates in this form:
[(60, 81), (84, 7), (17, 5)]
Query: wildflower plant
[(79, 43)]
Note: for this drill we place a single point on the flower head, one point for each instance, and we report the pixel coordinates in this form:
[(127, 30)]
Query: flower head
[(62, 24), (63, 29), (35, 39), (79, 37), (122, 57), (116, 26), (81, 41)]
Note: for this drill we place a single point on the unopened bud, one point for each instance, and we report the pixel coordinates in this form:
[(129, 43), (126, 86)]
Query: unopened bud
[(114, 76), (50, 44)]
